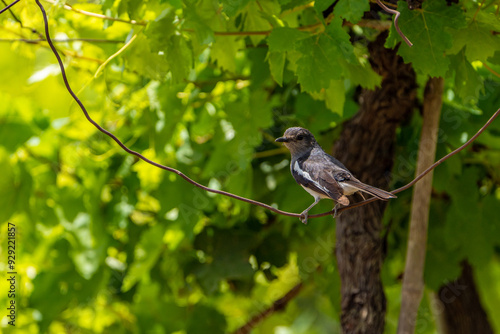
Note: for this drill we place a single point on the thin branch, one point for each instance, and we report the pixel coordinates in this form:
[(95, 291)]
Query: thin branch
[(116, 54), (173, 170), (490, 69), (62, 40), (14, 16), (413, 279), (278, 305), (100, 16), (8, 6), (396, 18)]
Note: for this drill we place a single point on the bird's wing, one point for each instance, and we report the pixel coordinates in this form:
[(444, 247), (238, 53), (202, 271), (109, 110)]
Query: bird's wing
[(320, 178)]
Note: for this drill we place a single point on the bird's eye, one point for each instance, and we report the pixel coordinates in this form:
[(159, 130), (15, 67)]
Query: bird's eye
[(300, 137)]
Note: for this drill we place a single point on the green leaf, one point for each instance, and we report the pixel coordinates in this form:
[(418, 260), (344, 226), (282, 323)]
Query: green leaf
[(276, 65), (335, 96), (478, 40), (159, 31), (146, 254), (14, 134), (223, 51), (205, 319), (232, 7), (7, 186), (256, 14), (283, 39), (320, 54), (86, 255), (273, 249), (362, 75), (143, 60), (351, 10), (322, 5), (428, 29), (229, 253), (179, 57), (469, 231), (468, 83)]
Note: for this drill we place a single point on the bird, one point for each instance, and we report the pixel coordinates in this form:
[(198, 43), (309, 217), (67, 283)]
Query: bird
[(320, 174)]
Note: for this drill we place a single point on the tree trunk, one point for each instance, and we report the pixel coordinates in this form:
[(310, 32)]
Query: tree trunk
[(366, 147), (461, 311), (413, 279)]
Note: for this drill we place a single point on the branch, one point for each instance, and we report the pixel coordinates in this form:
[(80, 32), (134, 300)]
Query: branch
[(6, 8), (220, 192), (278, 305), (100, 16), (374, 24), (116, 54), (396, 18), (61, 40), (413, 279)]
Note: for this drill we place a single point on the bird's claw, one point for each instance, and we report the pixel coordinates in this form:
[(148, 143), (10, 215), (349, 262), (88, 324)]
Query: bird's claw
[(303, 217), (335, 211)]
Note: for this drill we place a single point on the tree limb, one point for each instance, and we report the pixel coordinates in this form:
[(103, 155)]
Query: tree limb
[(278, 305), (413, 280)]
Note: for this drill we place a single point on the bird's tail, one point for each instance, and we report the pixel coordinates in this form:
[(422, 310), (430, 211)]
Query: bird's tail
[(379, 193)]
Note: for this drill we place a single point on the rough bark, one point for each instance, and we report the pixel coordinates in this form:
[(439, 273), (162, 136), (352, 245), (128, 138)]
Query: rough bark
[(460, 310), (413, 279), (366, 147)]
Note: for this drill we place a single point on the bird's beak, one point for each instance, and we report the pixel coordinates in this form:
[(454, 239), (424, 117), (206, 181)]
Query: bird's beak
[(282, 140)]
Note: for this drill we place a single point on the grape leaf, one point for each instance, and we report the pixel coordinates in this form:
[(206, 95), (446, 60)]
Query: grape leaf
[(223, 50), (159, 31), (319, 61), (428, 29), (179, 57), (147, 252), (232, 7), (468, 83), (351, 10), (256, 14), (478, 40), (276, 65)]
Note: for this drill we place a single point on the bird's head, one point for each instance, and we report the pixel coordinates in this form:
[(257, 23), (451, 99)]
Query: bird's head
[(298, 140)]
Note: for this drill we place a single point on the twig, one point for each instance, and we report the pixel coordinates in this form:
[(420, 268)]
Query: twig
[(276, 306), (116, 54), (100, 16), (491, 70), (220, 192), (61, 40), (396, 18), (8, 6)]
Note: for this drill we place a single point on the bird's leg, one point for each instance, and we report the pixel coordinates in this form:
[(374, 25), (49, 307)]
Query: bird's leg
[(303, 215), (335, 208)]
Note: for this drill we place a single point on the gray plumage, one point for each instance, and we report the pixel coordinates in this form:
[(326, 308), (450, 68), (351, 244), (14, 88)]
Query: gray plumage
[(320, 174)]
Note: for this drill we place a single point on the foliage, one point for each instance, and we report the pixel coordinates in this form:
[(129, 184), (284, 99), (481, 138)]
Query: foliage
[(109, 244)]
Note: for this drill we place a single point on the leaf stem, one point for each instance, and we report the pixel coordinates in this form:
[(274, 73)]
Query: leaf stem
[(116, 54), (100, 16)]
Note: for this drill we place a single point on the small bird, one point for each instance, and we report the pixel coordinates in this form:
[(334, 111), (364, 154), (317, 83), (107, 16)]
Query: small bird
[(320, 174)]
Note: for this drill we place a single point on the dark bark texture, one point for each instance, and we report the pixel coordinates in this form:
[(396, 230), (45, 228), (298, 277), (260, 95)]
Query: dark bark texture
[(462, 312), (366, 147)]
